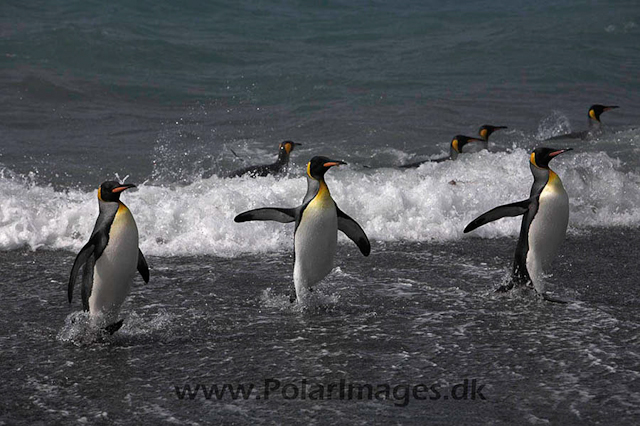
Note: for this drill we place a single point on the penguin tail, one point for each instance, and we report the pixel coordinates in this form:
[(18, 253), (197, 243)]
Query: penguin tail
[(112, 328)]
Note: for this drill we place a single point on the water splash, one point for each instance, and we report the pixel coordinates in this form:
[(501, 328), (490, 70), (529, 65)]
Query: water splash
[(431, 203)]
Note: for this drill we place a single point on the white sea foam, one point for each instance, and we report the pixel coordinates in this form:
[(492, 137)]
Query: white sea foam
[(432, 202)]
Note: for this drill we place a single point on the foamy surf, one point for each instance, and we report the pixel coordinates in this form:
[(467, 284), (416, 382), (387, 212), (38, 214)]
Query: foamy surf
[(431, 203)]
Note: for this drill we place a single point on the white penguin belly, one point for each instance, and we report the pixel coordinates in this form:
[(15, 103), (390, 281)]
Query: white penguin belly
[(547, 231), (114, 270), (315, 245)]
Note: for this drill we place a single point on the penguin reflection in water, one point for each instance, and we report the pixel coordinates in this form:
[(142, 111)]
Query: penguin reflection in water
[(109, 259), (317, 220), (544, 224)]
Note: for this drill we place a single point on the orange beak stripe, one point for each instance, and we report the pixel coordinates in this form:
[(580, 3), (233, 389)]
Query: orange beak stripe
[(120, 189)]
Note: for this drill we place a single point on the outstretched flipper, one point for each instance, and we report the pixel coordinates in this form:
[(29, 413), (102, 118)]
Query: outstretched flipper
[(354, 231), (82, 257), (277, 214), (508, 210), (143, 268)]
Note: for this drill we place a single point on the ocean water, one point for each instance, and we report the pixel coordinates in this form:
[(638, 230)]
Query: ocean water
[(172, 96)]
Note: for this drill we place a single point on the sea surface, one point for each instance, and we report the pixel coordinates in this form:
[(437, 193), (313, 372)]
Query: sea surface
[(171, 96)]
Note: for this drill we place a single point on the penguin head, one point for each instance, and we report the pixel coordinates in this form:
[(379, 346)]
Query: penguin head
[(597, 109), (486, 130), (110, 190), (459, 141), (287, 146), (540, 157), (318, 166)]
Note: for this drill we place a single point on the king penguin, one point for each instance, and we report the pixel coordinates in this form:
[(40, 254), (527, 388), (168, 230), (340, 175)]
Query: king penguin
[(487, 130), (455, 147), (275, 169), (595, 125), (544, 224), (109, 259), (317, 221)]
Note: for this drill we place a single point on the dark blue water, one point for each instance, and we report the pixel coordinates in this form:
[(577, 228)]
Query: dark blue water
[(163, 94)]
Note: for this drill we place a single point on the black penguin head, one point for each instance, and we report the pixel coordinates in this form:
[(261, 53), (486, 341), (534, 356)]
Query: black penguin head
[(110, 190), (284, 150), (318, 166), (459, 141), (540, 157), (597, 109), (486, 130), (287, 146)]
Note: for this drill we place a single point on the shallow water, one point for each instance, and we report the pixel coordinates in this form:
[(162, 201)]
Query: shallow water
[(410, 314)]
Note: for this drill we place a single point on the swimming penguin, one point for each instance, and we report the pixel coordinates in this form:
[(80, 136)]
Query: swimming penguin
[(484, 131), (457, 144), (487, 130), (317, 221), (546, 215), (276, 169), (595, 125), (109, 259)]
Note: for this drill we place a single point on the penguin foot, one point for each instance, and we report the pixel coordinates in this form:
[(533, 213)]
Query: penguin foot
[(553, 299), (504, 288), (112, 328)]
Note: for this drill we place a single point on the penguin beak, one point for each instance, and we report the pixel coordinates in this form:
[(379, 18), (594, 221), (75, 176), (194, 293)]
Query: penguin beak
[(558, 152), (288, 146), (333, 163), (123, 187), (610, 107)]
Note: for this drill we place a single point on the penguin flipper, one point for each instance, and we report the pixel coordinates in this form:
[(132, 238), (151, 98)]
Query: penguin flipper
[(82, 257), (354, 231), (143, 267), (87, 281), (277, 214), (508, 210)]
